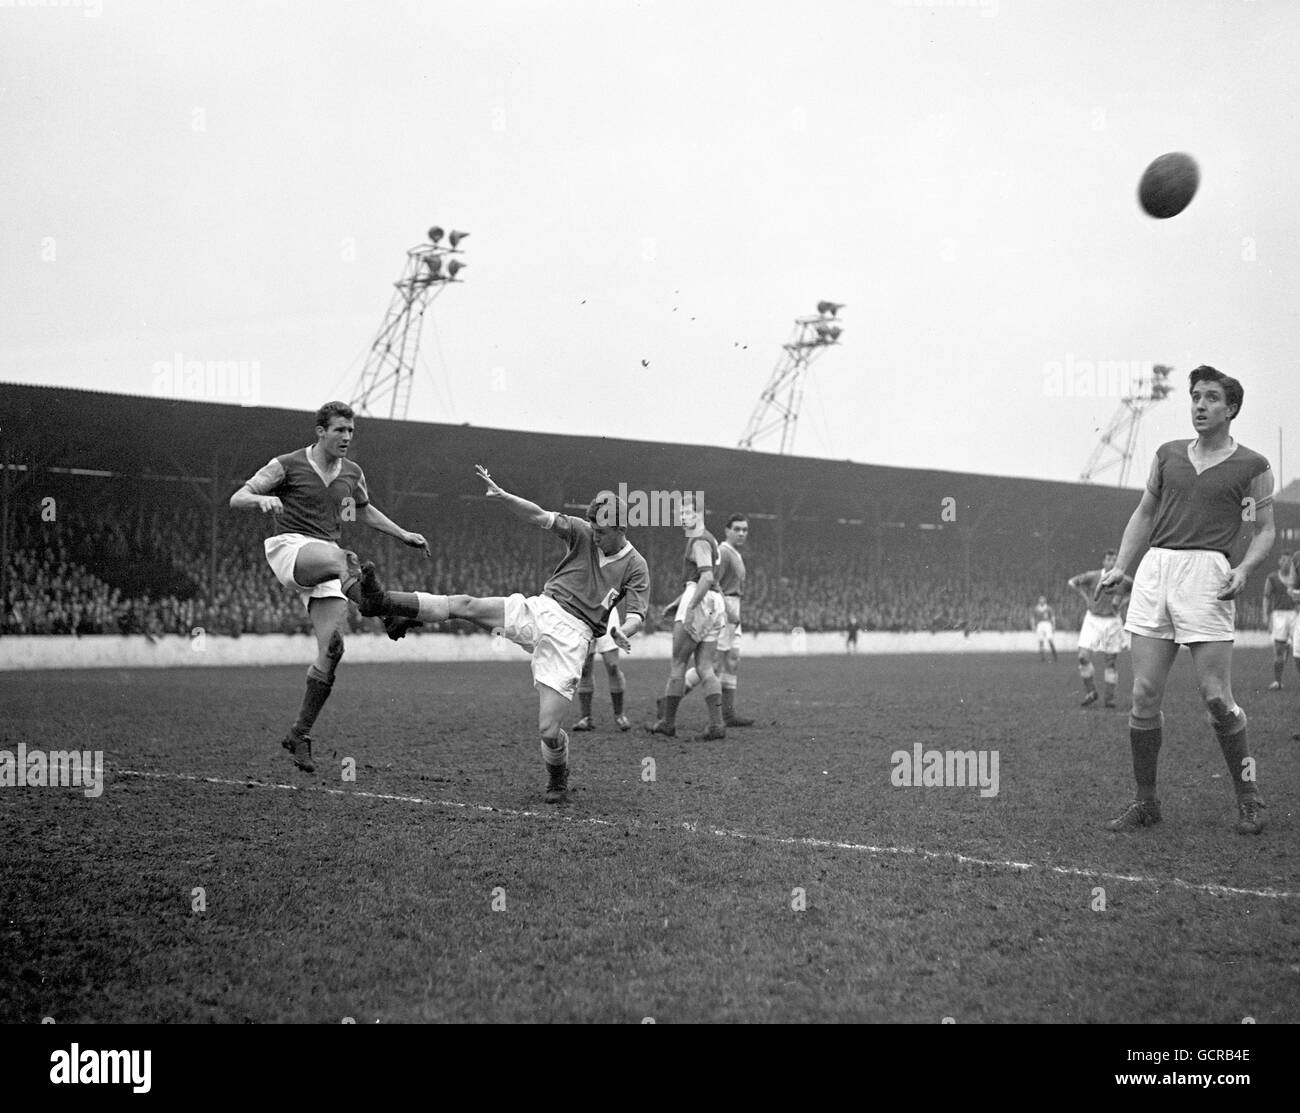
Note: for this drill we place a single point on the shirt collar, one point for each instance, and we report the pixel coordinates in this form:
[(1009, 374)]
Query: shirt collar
[(325, 477), (604, 560)]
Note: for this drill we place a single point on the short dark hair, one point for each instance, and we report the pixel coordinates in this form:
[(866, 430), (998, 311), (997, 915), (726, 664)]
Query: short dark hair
[(1110, 552), (1232, 391), (737, 518), (608, 511), (330, 411)]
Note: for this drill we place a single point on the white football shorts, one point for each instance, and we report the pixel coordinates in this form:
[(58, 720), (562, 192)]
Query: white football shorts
[(282, 555), (1102, 635), (1174, 597), (710, 615), (729, 639), (1045, 631), (1283, 624), (557, 640)]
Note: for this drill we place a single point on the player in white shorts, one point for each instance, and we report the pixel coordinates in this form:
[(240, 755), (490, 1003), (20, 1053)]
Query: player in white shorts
[(306, 493), (1280, 615), (1102, 630), (599, 569), (1045, 628), (731, 583), (607, 647), (700, 618), (1198, 495)]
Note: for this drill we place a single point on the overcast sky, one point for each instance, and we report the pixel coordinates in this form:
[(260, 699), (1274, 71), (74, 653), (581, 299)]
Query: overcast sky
[(671, 182)]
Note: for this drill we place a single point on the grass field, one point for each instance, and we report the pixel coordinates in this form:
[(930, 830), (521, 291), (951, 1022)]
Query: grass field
[(673, 898)]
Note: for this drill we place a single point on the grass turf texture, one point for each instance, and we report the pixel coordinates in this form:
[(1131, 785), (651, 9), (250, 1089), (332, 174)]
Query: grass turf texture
[(627, 903)]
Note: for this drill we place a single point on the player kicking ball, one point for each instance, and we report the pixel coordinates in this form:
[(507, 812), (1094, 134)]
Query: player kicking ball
[(607, 647), (599, 569), (1197, 495), (305, 492), (1102, 630)]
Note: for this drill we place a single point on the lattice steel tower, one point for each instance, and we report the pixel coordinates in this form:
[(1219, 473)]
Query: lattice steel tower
[(778, 405), (1120, 437), (390, 366)]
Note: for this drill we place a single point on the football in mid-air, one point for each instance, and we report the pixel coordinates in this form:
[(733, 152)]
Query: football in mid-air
[(1168, 185)]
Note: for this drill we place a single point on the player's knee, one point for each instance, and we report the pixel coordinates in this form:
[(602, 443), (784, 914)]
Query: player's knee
[(334, 648), (1220, 708), (1146, 696), (615, 678)]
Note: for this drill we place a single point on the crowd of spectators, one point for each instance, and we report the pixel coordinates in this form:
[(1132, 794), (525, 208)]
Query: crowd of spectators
[(133, 563)]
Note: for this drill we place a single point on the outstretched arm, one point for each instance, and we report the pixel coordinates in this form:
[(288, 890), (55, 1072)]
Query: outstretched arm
[(371, 515), (521, 508)]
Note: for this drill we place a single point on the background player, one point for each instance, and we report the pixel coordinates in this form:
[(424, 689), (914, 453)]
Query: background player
[(1280, 615), (701, 615), (851, 635), (607, 647), (731, 582), (306, 492), (1045, 627), (1198, 493), (557, 627), (1103, 628)]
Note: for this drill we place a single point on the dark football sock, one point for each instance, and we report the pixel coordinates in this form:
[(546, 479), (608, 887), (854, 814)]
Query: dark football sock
[(1145, 737), (318, 691)]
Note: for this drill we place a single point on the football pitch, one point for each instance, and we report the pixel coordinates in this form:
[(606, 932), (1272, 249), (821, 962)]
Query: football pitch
[(778, 876)]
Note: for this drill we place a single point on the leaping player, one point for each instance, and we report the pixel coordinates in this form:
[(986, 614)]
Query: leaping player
[(599, 569), (1103, 628), (1045, 627), (306, 493)]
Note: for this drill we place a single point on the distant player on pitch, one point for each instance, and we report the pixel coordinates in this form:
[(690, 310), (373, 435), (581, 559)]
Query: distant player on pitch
[(731, 582), (1280, 615), (1103, 628), (1045, 628), (307, 493), (599, 569), (1198, 494), (607, 647)]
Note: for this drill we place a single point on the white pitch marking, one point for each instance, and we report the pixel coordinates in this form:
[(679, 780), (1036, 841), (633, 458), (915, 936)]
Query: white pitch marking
[(778, 840)]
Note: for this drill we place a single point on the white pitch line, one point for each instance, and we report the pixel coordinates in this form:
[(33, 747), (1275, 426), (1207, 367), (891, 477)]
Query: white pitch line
[(776, 840)]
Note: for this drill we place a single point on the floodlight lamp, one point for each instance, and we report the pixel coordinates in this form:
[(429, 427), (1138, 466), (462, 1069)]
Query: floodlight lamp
[(455, 238), (435, 234), (454, 268)]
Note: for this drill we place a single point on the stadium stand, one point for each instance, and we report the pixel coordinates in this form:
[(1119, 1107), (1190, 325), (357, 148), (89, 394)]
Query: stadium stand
[(133, 534)]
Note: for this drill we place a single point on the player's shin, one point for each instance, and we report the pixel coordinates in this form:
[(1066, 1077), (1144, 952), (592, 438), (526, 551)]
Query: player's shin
[(616, 686), (1145, 737), (1229, 724), (417, 604), (713, 699), (1111, 676), (319, 686), (1086, 673)]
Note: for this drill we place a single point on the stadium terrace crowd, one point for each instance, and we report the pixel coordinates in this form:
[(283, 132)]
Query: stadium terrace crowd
[(131, 565)]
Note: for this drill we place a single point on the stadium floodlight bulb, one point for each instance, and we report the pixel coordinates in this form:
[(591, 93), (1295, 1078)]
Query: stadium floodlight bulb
[(435, 234), (434, 263), (455, 238), (454, 268)]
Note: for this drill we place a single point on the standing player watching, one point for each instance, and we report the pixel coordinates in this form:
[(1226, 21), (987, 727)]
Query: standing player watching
[(1279, 615), (851, 635), (307, 493), (701, 616), (557, 627), (1045, 627), (1197, 495), (607, 647), (1103, 628), (731, 582)]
